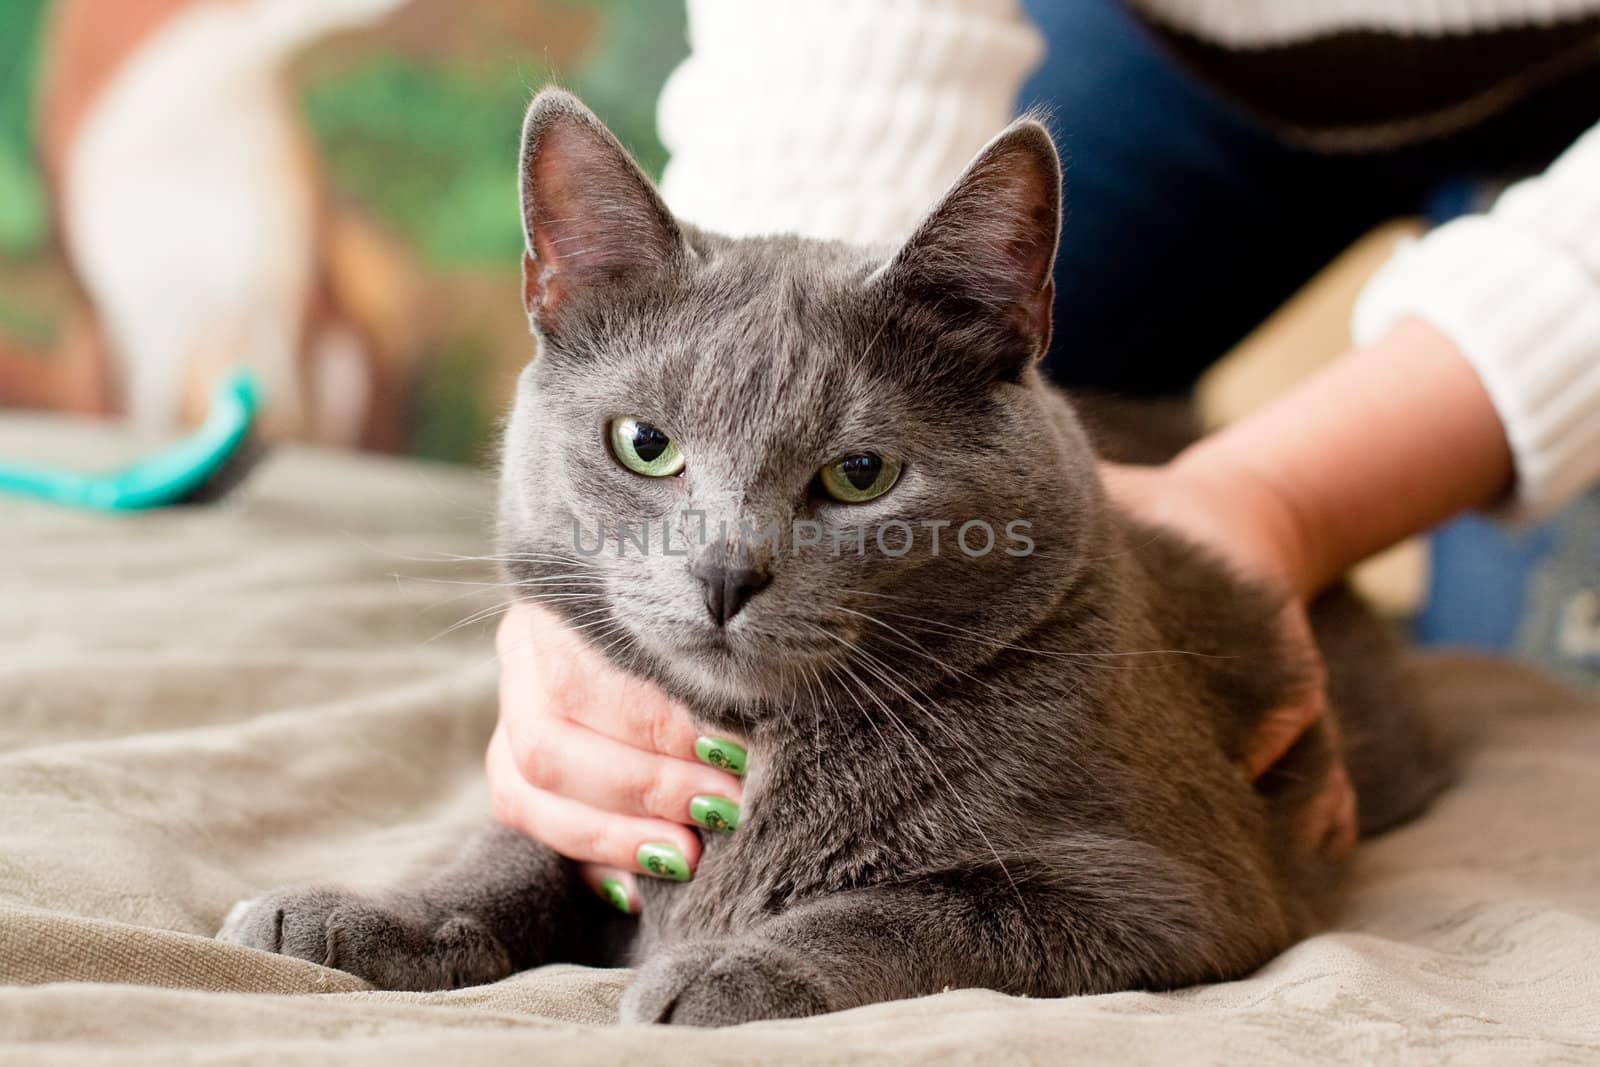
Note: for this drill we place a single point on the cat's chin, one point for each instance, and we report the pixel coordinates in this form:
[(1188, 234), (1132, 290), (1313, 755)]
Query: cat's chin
[(721, 673), (720, 676)]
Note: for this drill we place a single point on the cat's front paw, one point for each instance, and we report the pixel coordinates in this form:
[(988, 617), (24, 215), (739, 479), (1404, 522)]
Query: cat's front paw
[(706, 985), (389, 948)]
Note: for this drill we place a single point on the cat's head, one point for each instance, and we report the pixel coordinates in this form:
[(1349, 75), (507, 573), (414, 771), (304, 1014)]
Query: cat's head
[(745, 465)]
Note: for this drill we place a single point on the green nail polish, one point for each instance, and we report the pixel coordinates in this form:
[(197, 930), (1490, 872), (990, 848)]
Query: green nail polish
[(720, 752), (663, 859), (715, 813), (617, 894)]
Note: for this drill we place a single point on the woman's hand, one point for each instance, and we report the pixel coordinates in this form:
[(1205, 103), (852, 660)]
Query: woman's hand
[(1246, 523), (599, 765), (1377, 446)]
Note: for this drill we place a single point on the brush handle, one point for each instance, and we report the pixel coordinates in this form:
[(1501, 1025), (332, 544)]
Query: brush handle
[(62, 487), (168, 476)]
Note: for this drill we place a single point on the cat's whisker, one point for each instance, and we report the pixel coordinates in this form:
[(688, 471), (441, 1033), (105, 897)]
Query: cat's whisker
[(822, 693), (893, 679), (456, 557), (932, 762), (500, 608), (994, 642), (910, 644), (809, 675), (554, 579), (879, 668), (865, 352), (899, 682), (572, 624), (475, 617), (621, 637), (962, 749), (1121, 550), (470, 594), (477, 589), (806, 673)]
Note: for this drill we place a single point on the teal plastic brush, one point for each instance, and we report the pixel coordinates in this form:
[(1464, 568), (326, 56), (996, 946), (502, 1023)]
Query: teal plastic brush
[(203, 466)]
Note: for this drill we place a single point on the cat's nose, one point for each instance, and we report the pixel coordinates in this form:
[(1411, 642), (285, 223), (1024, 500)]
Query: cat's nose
[(728, 587)]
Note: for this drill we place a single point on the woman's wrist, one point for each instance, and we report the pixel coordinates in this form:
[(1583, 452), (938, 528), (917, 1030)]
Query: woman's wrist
[(1380, 445), (1221, 507), (1257, 524)]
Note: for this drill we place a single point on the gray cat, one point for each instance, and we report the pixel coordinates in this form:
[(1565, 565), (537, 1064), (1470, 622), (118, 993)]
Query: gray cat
[(1016, 770)]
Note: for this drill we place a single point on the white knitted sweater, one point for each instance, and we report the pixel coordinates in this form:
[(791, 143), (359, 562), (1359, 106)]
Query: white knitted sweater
[(847, 119)]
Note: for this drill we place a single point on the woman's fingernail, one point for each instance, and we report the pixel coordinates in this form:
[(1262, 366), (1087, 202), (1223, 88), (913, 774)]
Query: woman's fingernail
[(720, 752), (662, 859), (617, 894), (715, 813)]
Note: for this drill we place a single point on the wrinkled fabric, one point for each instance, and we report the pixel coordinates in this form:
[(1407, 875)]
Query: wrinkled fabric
[(199, 704)]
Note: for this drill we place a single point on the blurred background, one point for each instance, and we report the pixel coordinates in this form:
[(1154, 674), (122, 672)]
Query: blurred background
[(325, 191), (373, 141)]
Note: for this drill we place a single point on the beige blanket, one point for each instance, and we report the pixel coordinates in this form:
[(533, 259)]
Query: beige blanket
[(196, 705)]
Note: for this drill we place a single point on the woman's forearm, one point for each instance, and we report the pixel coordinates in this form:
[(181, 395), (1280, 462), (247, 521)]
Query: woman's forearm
[(1380, 445)]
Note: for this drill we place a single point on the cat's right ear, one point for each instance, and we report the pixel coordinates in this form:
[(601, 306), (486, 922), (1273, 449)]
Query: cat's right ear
[(983, 255), (590, 217)]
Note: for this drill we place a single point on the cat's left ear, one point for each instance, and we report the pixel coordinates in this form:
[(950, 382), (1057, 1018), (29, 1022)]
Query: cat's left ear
[(590, 217), (985, 253)]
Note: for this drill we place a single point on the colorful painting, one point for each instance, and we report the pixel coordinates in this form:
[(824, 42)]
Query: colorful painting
[(410, 109)]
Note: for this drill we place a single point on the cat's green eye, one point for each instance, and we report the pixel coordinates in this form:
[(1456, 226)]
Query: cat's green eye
[(644, 449), (857, 479)]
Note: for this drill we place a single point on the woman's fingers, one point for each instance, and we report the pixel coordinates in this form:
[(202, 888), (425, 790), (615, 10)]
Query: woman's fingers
[(1276, 734), (550, 665), (1331, 818), (587, 689), (577, 831), (573, 761), (612, 884), (556, 750), (598, 765)]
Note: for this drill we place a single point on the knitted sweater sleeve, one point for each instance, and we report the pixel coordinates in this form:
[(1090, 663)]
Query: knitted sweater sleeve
[(836, 119), (1518, 290)]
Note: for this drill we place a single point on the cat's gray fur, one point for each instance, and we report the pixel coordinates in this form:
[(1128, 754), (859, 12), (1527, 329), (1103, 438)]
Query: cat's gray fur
[(1016, 773)]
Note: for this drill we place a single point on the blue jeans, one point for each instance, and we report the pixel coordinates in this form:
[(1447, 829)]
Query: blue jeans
[(1187, 222)]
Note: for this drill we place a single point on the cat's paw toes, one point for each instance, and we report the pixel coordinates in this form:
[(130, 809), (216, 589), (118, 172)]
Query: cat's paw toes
[(655, 988), (341, 929), (289, 922), (710, 987), (465, 953)]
